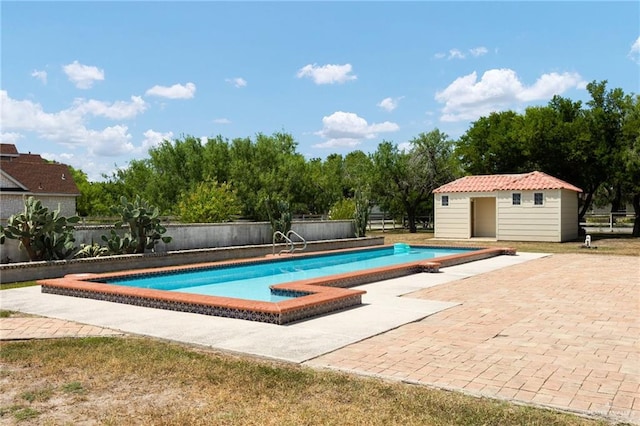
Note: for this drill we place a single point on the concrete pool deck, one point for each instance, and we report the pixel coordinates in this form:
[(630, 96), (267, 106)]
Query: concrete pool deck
[(559, 331)]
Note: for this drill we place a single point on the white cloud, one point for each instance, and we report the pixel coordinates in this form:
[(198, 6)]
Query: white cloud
[(83, 76), (66, 127), (327, 74), (634, 53), (237, 81), (222, 121), (346, 129), (153, 139), (466, 98), (108, 142), (455, 54), (459, 54), (40, 75), (389, 104), (118, 110), (177, 91), (29, 116), (405, 146), (10, 137), (478, 51)]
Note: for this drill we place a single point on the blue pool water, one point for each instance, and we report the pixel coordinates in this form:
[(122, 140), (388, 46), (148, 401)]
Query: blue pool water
[(252, 281)]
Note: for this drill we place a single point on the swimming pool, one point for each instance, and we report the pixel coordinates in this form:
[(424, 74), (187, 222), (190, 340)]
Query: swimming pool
[(254, 281), (307, 284)]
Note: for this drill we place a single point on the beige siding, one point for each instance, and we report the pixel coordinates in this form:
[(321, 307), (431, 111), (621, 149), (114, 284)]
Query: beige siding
[(569, 215), (528, 222), (452, 221)]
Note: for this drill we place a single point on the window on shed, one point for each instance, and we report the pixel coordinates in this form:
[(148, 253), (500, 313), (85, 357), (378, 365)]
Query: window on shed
[(538, 198), (515, 199), (445, 200)]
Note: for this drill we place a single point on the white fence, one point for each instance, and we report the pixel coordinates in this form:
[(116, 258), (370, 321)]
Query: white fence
[(612, 222)]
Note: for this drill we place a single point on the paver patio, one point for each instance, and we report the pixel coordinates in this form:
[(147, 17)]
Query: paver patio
[(561, 331), (31, 327)]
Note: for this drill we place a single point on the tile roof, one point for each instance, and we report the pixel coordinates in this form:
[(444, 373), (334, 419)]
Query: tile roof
[(513, 182), (38, 176)]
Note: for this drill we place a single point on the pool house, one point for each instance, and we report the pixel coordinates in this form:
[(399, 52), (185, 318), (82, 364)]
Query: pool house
[(511, 207)]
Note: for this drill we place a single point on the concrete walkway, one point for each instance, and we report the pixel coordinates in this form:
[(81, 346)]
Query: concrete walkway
[(559, 331)]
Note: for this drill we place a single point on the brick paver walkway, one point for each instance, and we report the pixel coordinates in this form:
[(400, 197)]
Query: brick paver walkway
[(562, 331), (30, 327)]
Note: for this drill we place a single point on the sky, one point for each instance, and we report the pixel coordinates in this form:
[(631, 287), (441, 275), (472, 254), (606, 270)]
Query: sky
[(96, 84)]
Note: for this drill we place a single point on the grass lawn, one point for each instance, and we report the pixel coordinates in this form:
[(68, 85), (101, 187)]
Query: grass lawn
[(606, 243), (144, 381)]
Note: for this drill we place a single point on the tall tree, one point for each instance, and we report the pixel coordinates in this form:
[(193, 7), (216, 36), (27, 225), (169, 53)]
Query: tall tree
[(581, 146), (267, 173), (358, 168), (602, 152), (407, 179), (493, 145), (176, 166), (631, 158)]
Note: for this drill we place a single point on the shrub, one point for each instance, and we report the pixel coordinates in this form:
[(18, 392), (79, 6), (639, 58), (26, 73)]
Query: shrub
[(209, 202), (344, 209)]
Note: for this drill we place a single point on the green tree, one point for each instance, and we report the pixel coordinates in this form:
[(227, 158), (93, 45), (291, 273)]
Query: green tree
[(209, 202), (358, 174), (630, 158), (324, 183), (407, 179), (494, 145), (581, 146), (269, 169), (175, 167)]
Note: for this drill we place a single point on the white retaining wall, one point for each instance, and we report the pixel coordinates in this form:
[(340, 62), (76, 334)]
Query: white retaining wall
[(202, 236)]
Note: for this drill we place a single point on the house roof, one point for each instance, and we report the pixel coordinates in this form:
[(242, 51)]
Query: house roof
[(513, 182), (32, 173), (9, 150)]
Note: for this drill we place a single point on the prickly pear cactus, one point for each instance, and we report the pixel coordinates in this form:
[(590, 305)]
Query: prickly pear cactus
[(44, 234), (143, 224)]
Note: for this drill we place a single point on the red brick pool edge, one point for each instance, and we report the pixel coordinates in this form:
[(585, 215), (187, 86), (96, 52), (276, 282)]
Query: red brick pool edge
[(320, 295)]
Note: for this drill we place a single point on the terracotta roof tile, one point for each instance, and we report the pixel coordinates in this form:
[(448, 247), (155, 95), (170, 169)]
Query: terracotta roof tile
[(513, 182)]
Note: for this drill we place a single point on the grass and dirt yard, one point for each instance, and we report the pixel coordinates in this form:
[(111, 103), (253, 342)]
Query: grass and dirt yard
[(137, 380)]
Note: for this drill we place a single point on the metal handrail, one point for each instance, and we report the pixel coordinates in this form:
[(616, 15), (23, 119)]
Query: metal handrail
[(287, 238), (293, 248), (284, 237)]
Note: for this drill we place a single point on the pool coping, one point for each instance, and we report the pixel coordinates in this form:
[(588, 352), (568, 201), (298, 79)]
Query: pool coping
[(323, 295)]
